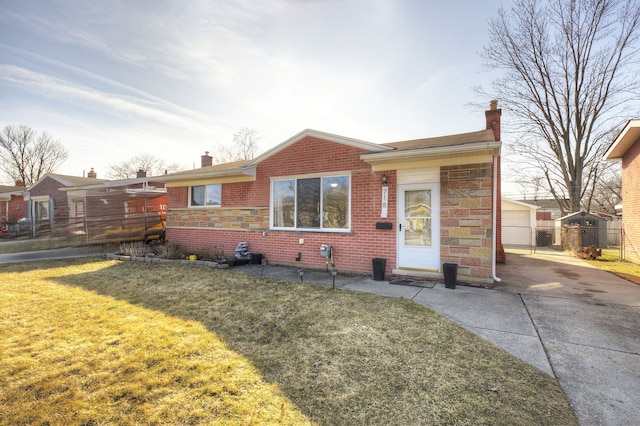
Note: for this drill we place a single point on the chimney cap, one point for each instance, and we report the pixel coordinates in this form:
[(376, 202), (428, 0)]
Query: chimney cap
[(493, 104)]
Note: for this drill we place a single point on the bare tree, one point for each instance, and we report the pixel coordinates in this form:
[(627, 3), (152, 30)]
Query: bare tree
[(27, 156), (570, 74), (151, 165), (243, 147), (532, 187), (608, 192)]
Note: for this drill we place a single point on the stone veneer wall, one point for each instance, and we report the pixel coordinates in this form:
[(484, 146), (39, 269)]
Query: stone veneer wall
[(237, 219), (466, 221)]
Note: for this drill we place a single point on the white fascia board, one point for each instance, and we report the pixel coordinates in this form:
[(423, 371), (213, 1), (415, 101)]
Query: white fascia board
[(627, 137), (356, 143), (411, 154)]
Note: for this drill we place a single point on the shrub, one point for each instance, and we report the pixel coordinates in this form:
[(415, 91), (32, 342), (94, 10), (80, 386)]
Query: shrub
[(133, 248)]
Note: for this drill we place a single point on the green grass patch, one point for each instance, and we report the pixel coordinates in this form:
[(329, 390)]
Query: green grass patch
[(610, 261), (94, 341)]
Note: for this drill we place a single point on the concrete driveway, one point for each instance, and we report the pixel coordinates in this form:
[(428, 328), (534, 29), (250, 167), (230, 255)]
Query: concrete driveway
[(588, 322)]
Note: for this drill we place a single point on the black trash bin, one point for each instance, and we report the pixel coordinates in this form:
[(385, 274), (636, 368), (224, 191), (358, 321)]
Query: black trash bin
[(379, 265), (450, 274)]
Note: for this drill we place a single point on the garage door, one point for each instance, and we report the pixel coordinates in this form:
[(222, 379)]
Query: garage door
[(516, 228)]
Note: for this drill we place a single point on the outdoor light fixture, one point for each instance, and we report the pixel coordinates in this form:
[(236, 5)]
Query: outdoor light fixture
[(301, 273), (334, 272), (384, 179)]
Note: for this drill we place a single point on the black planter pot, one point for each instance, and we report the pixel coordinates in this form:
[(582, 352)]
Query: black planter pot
[(379, 265), (450, 274)]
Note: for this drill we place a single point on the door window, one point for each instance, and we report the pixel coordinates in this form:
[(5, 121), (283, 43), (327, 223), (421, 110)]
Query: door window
[(417, 218)]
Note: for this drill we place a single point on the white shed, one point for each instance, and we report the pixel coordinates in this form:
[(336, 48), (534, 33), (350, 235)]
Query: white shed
[(518, 223)]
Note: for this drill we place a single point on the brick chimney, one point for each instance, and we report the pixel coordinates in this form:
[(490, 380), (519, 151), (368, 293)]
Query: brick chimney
[(20, 183), (92, 174), (493, 119), (207, 160), (141, 173), (493, 123)]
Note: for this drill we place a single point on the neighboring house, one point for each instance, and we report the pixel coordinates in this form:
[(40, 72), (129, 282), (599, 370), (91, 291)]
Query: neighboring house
[(417, 204), (547, 209), (11, 205), (518, 223), (46, 204), (626, 147), (128, 209)]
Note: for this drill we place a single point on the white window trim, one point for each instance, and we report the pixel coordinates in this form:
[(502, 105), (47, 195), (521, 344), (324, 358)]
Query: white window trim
[(39, 199), (205, 206), (309, 176)]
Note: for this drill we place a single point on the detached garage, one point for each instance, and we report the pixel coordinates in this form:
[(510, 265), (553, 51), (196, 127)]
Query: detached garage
[(518, 223)]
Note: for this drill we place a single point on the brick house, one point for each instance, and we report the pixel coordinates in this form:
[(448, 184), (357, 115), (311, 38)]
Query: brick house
[(626, 147), (417, 204), (47, 206), (119, 210), (11, 204)]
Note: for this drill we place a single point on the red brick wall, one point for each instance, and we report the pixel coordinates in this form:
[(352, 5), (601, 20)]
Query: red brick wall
[(13, 210), (353, 251), (178, 197), (49, 186), (631, 202), (466, 221), (466, 204), (543, 215)]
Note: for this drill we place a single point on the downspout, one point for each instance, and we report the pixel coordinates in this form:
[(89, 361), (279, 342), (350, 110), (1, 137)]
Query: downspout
[(495, 219)]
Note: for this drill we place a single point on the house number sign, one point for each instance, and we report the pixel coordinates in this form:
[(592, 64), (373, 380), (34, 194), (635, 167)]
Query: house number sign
[(385, 201)]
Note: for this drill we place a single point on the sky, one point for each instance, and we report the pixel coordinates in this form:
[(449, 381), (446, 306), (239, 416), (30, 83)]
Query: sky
[(114, 79)]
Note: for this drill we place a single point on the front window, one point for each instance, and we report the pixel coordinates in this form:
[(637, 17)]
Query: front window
[(311, 203), (205, 196), (42, 210)]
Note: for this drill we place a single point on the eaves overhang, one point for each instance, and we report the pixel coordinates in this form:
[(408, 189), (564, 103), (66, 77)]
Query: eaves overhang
[(625, 140), (356, 143), (239, 174), (436, 153)]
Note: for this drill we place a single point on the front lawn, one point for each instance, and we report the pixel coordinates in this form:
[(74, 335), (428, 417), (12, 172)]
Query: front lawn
[(103, 342)]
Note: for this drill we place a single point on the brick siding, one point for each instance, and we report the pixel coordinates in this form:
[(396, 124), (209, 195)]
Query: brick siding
[(631, 202), (12, 210), (60, 206), (234, 222), (466, 215)]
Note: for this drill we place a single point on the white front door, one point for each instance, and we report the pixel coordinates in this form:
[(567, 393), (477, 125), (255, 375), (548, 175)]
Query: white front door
[(419, 227)]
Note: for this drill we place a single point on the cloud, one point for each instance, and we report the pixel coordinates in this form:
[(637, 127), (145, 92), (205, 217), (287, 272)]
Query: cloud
[(135, 105)]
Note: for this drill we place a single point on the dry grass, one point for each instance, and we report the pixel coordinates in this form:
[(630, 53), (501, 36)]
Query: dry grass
[(16, 246), (610, 261), (93, 342)]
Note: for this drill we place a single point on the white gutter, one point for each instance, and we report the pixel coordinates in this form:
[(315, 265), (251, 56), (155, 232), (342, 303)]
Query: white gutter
[(411, 153), (495, 218)]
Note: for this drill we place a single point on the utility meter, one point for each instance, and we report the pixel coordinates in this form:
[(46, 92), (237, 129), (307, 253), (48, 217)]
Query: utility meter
[(325, 250)]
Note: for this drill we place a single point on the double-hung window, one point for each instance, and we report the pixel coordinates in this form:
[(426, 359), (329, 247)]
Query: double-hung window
[(205, 195), (311, 203)]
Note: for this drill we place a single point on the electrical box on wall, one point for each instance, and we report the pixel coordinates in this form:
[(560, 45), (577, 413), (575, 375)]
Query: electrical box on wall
[(325, 249)]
